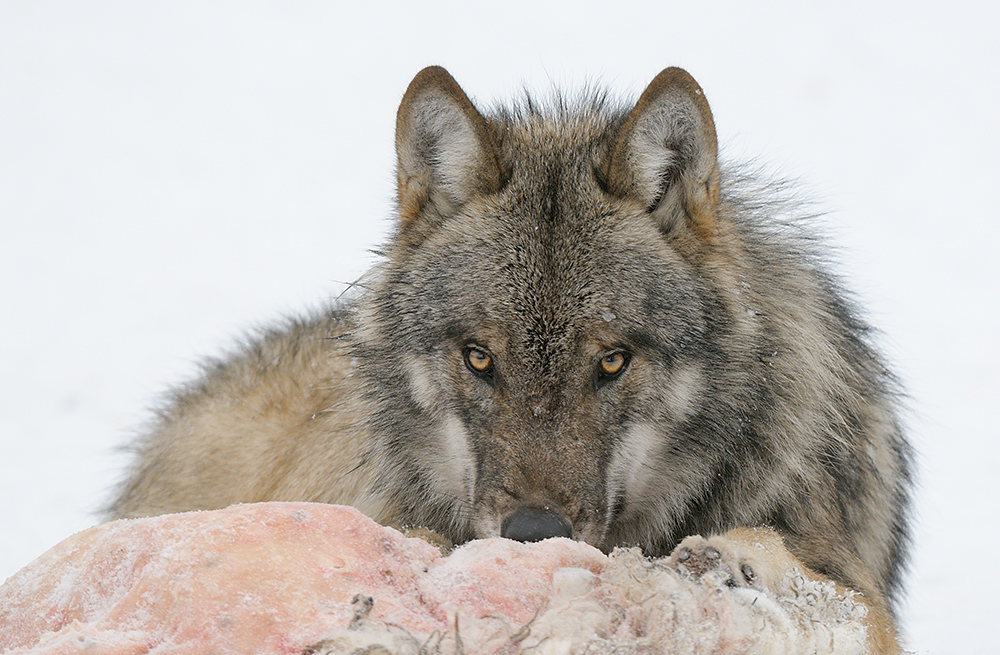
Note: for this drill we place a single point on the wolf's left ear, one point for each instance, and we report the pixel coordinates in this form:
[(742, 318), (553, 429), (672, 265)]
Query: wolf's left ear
[(665, 155), (445, 149)]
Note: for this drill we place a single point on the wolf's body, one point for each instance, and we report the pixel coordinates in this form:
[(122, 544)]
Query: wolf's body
[(581, 326)]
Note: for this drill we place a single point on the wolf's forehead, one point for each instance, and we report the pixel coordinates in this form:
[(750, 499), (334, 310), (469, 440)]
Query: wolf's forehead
[(560, 246), (554, 279)]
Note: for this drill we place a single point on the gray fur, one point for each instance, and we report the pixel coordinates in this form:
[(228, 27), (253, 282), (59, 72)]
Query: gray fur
[(549, 236)]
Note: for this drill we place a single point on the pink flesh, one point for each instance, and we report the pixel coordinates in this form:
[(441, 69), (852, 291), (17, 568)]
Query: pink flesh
[(268, 578)]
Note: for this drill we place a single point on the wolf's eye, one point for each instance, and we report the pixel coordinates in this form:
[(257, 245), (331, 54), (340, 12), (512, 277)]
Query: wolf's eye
[(613, 364), (478, 361)]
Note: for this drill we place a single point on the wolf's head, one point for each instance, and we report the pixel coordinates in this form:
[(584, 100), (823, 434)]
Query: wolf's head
[(540, 342)]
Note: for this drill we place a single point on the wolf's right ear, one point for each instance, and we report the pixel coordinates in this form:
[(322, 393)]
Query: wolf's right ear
[(665, 155), (445, 149)]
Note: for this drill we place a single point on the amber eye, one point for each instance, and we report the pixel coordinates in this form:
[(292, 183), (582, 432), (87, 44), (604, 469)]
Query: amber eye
[(478, 361), (613, 364)]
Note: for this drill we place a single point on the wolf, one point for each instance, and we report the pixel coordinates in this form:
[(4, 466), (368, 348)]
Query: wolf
[(583, 325)]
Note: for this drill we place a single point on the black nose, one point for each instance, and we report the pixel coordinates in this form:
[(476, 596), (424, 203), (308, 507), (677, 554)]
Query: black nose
[(532, 524)]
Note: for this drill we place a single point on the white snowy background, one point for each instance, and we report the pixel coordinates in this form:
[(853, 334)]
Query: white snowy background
[(173, 173)]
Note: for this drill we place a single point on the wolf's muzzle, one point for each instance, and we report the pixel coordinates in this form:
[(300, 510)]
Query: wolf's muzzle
[(533, 524)]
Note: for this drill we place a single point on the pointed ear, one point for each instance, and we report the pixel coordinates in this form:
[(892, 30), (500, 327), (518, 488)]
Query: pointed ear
[(665, 156), (445, 149)]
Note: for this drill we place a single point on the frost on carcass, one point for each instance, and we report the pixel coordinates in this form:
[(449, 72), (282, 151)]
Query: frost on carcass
[(306, 578)]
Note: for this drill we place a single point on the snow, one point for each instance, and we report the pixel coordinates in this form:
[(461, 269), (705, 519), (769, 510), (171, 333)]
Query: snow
[(174, 173)]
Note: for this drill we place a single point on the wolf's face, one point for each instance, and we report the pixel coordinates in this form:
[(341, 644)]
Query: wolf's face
[(556, 358), (542, 321)]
